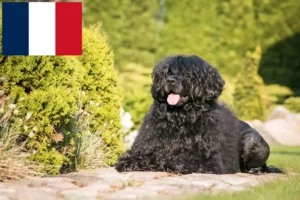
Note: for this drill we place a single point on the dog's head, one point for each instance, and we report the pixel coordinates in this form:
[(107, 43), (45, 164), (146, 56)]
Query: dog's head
[(178, 80)]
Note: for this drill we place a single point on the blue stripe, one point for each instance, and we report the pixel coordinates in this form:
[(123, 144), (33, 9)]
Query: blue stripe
[(15, 28)]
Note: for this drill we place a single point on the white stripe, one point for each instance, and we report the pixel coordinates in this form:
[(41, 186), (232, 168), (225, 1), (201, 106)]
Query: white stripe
[(42, 28)]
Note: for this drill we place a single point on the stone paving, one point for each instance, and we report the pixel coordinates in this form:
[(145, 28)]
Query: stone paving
[(108, 184)]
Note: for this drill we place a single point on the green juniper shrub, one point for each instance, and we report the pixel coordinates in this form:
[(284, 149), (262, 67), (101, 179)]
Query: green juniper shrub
[(249, 89), (52, 88), (49, 87), (276, 94), (101, 88), (293, 104)]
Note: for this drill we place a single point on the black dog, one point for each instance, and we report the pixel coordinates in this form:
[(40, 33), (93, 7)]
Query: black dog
[(187, 131)]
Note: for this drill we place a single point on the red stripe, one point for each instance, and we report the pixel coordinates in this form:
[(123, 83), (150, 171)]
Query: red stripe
[(68, 28)]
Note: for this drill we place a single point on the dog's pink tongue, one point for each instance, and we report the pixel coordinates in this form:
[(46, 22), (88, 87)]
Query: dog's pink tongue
[(173, 99)]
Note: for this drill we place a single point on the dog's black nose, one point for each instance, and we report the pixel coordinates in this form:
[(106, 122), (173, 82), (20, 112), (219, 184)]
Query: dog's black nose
[(171, 80)]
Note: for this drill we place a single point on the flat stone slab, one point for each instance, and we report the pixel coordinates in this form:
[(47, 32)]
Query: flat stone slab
[(108, 184)]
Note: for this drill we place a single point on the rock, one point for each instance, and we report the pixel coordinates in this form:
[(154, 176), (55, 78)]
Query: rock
[(268, 137), (7, 190), (259, 126), (54, 182), (130, 193), (283, 126), (298, 116), (108, 184), (81, 193), (283, 131), (292, 119), (279, 112), (3, 197), (32, 194), (255, 123)]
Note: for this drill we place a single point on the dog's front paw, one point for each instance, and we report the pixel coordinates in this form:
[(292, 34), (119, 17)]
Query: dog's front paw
[(124, 163)]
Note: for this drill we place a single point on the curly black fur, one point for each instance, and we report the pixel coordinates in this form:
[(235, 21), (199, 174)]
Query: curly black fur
[(196, 134)]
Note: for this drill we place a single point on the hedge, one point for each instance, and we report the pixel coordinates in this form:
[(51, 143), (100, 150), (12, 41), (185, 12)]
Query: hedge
[(62, 99)]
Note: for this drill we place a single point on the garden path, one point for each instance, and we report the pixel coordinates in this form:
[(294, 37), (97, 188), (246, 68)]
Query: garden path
[(106, 183)]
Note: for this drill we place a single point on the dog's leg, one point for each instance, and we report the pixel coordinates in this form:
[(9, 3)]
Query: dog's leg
[(254, 151), (136, 161), (127, 162)]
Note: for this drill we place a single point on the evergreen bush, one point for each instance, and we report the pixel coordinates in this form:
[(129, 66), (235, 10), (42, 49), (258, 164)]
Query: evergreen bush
[(102, 90), (276, 94), (293, 104), (55, 92), (49, 87), (249, 89)]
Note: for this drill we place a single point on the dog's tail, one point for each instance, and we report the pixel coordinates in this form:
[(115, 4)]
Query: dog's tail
[(272, 169)]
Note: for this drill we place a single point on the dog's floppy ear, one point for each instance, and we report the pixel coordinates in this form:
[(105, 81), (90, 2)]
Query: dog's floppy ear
[(158, 78), (214, 84)]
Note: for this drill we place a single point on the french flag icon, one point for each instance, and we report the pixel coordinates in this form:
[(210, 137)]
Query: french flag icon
[(42, 28)]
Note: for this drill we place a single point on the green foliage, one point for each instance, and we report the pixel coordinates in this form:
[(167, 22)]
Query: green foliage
[(276, 94), (190, 27), (14, 163), (102, 90), (50, 157), (227, 94), (133, 35), (237, 26), (248, 94), (218, 31), (286, 157), (131, 26), (293, 104), (54, 91), (278, 22), (280, 63), (136, 81), (221, 31), (91, 150), (49, 87)]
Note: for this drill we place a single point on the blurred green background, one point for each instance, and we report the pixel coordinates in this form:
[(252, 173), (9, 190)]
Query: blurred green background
[(255, 44), (260, 36), (221, 32)]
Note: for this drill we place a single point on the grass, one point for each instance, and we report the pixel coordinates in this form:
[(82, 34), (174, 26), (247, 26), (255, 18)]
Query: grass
[(14, 163), (285, 157)]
